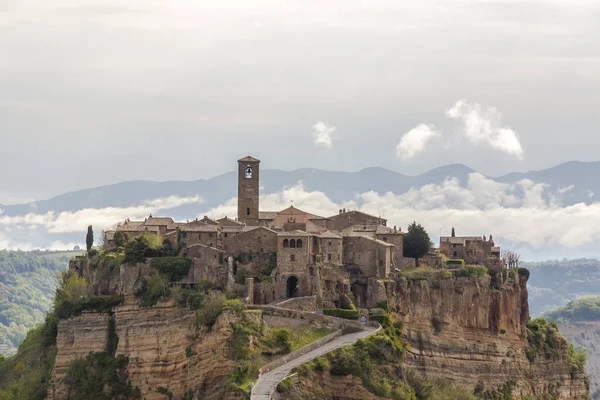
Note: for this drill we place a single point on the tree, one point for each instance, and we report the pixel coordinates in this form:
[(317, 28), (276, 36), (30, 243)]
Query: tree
[(416, 242), (453, 233), (89, 238), (510, 259)]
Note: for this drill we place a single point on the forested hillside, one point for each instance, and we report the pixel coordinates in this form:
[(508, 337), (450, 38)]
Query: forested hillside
[(28, 281), (554, 283), (579, 321)]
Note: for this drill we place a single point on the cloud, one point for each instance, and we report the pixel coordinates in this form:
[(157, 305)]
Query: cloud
[(523, 214), (484, 125), (99, 218), (566, 189), (415, 141), (323, 134)]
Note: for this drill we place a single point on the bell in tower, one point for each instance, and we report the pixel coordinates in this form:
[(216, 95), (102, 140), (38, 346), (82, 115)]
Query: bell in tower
[(248, 187)]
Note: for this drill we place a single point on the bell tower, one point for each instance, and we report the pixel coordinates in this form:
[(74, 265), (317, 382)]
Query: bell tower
[(248, 186)]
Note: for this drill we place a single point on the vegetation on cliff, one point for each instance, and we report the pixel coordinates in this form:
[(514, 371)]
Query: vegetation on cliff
[(27, 285), (587, 309)]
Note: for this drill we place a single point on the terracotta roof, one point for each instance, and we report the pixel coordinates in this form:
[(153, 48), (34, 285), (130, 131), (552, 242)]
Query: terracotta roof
[(358, 212), (137, 228), (248, 159), (386, 230), (198, 226), (158, 221), (329, 235), (209, 220), (267, 215), (229, 220), (363, 236)]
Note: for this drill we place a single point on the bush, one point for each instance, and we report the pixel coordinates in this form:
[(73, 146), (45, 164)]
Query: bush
[(153, 289), (241, 274), (471, 271), (428, 274), (346, 314), (213, 306), (524, 273), (173, 268), (101, 304), (99, 376), (543, 339)]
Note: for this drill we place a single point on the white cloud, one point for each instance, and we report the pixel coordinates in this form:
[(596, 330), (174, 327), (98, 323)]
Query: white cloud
[(323, 134), (566, 189), (99, 218), (484, 125), (523, 214), (415, 141)]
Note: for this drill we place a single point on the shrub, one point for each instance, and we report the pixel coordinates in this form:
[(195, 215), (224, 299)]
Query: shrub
[(212, 308), (470, 271), (173, 268), (102, 304), (153, 289), (99, 376), (524, 273), (336, 312), (241, 274), (543, 339), (428, 274), (285, 386)]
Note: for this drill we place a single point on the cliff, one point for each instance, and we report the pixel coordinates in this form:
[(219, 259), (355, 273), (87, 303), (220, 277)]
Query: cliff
[(469, 332), (163, 347)]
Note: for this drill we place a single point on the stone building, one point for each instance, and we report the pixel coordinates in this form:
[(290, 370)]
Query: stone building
[(257, 239), (292, 252), (366, 256), (346, 218), (469, 248)]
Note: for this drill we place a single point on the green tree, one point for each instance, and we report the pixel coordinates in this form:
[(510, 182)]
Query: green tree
[(416, 242), (453, 233), (89, 238)]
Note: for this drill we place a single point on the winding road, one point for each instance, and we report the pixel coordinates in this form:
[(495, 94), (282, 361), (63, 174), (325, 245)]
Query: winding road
[(267, 383)]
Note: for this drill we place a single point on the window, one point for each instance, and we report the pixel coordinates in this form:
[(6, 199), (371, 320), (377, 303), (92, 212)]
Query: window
[(248, 211), (299, 243), (329, 257), (293, 243), (385, 238), (248, 171), (286, 243), (258, 239), (329, 243), (338, 257), (292, 257), (183, 234), (225, 234), (210, 235)]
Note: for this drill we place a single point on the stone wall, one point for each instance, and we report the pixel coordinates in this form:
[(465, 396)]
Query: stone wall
[(260, 240)]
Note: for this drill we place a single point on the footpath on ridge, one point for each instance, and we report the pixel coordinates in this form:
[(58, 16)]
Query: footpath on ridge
[(267, 382)]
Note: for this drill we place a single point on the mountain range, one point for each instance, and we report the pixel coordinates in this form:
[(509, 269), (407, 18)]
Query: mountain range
[(576, 180)]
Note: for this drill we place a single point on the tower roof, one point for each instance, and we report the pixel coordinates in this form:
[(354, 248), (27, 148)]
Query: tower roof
[(249, 159)]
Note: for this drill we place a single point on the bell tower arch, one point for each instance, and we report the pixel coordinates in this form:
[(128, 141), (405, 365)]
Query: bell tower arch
[(248, 187)]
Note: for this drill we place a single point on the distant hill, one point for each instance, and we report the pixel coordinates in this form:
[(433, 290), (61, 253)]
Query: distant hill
[(338, 186), (579, 322), (27, 285), (553, 284)]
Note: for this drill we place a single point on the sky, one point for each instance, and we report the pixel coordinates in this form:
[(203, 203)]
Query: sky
[(97, 92)]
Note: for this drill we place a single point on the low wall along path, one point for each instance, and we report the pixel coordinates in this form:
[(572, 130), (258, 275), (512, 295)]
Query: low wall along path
[(272, 374)]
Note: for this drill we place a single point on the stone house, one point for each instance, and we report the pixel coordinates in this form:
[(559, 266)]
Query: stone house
[(367, 256), (294, 254), (472, 249), (346, 218), (257, 239), (330, 247)]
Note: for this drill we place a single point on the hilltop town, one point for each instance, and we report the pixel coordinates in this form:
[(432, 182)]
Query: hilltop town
[(340, 259)]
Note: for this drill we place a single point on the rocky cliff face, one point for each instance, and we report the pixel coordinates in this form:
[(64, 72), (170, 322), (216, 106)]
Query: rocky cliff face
[(586, 334), (163, 347), (468, 332)]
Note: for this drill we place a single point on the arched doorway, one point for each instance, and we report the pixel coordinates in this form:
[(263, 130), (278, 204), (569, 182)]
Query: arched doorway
[(292, 288)]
